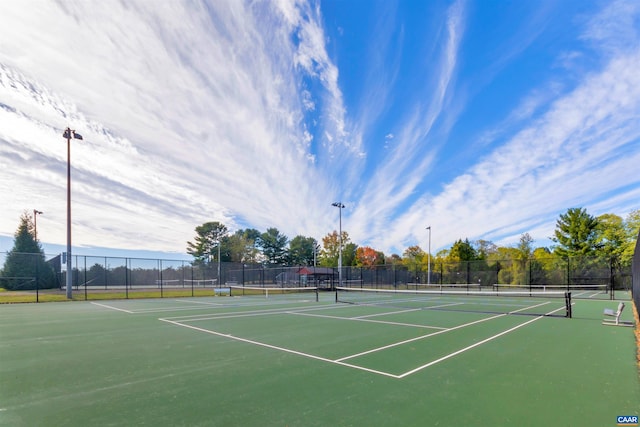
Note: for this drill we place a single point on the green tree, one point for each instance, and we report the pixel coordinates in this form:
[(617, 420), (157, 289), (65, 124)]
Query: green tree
[(25, 266), (241, 246), (301, 250), (544, 267), (484, 248), (576, 233), (462, 251), (611, 238), (413, 257), (204, 248), (330, 249), (393, 259), (521, 256), (274, 246), (632, 227), (349, 252)]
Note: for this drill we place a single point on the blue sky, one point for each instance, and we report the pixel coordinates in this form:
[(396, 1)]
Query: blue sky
[(481, 119)]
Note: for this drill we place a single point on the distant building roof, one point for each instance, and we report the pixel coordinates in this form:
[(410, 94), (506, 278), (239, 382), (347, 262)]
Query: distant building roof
[(317, 271)]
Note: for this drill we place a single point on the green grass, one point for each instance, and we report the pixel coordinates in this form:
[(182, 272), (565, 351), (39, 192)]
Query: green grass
[(48, 295), (253, 361)]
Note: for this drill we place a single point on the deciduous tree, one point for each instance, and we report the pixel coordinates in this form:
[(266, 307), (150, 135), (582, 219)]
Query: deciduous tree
[(368, 257), (301, 250)]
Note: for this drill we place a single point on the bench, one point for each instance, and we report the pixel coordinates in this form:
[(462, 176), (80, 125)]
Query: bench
[(616, 315)]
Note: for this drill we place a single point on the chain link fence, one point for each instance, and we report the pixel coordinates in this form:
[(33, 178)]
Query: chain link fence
[(95, 277), (635, 265)]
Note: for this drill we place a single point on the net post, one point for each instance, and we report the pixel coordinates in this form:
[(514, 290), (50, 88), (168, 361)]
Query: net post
[(567, 301), (317, 296)]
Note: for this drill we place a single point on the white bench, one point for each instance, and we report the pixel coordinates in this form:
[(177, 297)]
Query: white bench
[(616, 317)]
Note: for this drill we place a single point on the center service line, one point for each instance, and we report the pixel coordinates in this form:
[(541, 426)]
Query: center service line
[(286, 350)]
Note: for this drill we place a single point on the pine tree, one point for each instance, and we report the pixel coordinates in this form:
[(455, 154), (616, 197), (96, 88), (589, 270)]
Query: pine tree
[(25, 266), (576, 233)]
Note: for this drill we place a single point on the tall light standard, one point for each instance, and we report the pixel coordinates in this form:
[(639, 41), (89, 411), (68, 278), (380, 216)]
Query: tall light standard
[(340, 206), (35, 223), (69, 134), (218, 279), (429, 258)]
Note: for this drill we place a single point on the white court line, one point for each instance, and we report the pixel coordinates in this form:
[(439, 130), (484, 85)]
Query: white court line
[(387, 374), (407, 311), (198, 302), (249, 313), (455, 353), (387, 313), (286, 350), (419, 338), (443, 331), (186, 308), (533, 306), (112, 308), (360, 319), (491, 338)]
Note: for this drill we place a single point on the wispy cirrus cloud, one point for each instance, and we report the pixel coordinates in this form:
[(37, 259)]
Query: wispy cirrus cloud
[(582, 148), (193, 113), (393, 186), (239, 111)]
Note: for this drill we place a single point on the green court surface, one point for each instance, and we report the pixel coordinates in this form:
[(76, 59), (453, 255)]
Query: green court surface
[(289, 360)]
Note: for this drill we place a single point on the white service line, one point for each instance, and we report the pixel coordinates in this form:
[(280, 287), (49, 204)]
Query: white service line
[(249, 313), (112, 308), (286, 350), (199, 302), (420, 337), (341, 362), (361, 319), (387, 313), (455, 353), (409, 310), (532, 306)]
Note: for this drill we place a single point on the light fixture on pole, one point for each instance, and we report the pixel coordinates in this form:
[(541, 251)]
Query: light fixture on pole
[(429, 258), (340, 206), (69, 134), (35, 223)]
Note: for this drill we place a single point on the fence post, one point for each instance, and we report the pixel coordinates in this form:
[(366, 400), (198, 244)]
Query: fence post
[(85, 278), (37, 279), (611, 279), (126, 277)]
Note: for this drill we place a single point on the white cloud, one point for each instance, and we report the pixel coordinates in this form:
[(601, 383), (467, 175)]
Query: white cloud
[(582, 148), (234, 111), (172, 138)]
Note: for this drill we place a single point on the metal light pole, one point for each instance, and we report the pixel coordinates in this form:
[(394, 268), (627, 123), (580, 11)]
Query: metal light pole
[(429, 258), (218, 280), (340, 206), (35, 223), (68, 134), (315, 254)]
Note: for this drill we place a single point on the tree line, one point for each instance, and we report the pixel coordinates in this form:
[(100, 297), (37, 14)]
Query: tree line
[(577, 234)]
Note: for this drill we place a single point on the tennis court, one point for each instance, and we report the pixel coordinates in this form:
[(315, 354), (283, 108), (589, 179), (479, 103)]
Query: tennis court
[(303, 359)]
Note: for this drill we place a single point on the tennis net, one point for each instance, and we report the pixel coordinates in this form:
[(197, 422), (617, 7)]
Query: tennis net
[(577, 291), (200, 283), (306, 292), (556, 304)]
